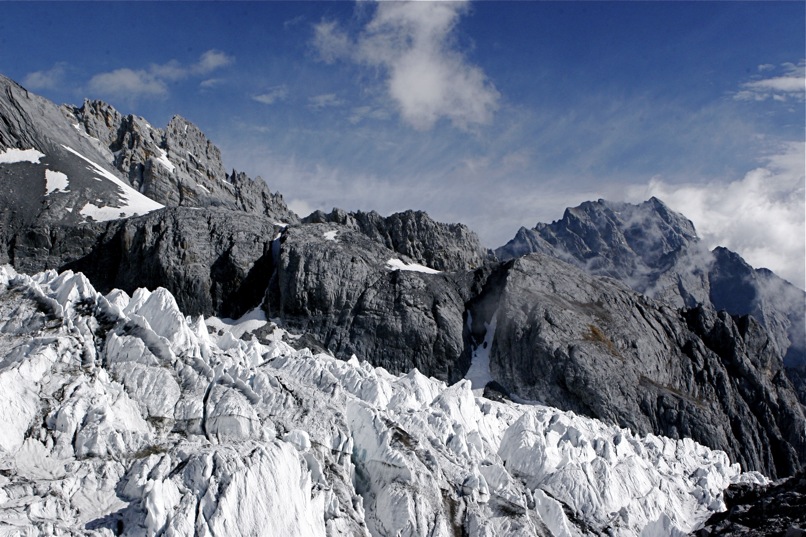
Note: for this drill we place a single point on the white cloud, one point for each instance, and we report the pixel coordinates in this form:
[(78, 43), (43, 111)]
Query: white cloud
[(128, 83), (791, 83), (153, 82), (273, 95), (210, 61), (331, 41), (46, 79), (211, 83), (760, 216), (427, 77), (327, 100)]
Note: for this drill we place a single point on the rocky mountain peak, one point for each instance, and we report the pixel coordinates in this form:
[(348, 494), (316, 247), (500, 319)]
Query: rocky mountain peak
[(192, 151), (656, 251)]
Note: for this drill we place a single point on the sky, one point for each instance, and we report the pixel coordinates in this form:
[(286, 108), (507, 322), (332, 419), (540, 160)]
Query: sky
[(494, 114)]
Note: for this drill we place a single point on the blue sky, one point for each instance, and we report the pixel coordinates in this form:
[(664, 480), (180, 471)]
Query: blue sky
[(494, 114)]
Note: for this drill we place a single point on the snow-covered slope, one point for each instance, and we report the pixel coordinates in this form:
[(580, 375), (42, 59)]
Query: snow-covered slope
[(122, 416)]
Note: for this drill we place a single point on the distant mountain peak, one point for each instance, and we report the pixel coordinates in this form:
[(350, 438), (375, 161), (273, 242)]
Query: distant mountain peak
[(656, 251)]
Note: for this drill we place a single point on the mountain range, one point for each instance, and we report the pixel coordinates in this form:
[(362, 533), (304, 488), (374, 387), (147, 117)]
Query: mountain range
[(204, 347)]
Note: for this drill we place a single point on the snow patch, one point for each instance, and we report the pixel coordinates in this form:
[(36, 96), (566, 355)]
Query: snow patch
[(133, 203), (165, 162), (330, 235), (397, 264), (479, 373), (55, 182), (13, 156), (246, 324)]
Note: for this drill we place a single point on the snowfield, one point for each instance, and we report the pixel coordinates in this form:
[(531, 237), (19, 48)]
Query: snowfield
[(13, 155), (120, 415), (55, 182)]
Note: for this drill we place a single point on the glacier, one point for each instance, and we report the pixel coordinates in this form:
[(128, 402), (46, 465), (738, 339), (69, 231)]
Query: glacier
[(122, 416)]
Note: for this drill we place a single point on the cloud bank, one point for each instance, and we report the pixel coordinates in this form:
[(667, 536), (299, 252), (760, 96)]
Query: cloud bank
[(760, 216), (790, 84), (425, 74), (153, 82)]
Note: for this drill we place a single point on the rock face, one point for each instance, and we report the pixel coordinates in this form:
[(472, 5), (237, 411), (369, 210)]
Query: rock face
[(448, 247), (177, 166), (656, 251), (121, 416), (564, 338), (69, 166), (338, 285), (216, 261)]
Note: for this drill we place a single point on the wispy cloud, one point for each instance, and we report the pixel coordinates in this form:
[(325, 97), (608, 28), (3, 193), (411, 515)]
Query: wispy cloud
[(211, 83), (210, 61), (272, 95), (46, 79), (426, 75), (128, 83), (153, 82), (326, 100), (360, 113), (789, 84), (761, 215)]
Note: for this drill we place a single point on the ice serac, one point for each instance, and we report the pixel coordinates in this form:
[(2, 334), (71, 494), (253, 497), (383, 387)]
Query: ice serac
[(656, 251), (254, 439), (568, 339)]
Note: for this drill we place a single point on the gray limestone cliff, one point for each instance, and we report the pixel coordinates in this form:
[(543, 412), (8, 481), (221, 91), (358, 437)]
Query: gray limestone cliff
[(335, 284), (414, 234), (175, 166), (215, 262)]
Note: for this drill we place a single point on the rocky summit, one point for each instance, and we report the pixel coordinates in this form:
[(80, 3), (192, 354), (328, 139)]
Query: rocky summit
[(182, 354)]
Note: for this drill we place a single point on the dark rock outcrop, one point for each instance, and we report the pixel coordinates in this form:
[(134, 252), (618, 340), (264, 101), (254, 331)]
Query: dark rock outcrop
[(416, 235), (775, 510), (335, 284), (573, 341), (214, 261)]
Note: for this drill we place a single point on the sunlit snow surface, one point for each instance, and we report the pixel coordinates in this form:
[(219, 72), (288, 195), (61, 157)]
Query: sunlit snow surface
[(246, 324), (13, 156), (397, 264), (165, 161), (121, 415), (132, 202), (55, 182)]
